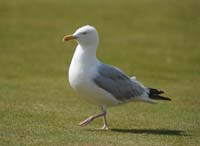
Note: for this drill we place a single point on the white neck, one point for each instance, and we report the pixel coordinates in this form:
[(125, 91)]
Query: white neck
[(84, 57)]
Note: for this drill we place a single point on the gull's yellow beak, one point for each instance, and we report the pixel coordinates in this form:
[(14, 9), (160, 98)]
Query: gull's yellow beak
[(68, 37)]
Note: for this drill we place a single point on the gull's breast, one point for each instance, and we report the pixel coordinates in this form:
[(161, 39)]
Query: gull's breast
[(81, 80)]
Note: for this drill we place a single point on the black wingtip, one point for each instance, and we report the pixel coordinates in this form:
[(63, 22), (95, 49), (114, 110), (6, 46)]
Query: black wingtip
[(155, 94), (153, 91)]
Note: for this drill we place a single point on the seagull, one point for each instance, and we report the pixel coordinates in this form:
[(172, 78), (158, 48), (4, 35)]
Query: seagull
[(101, 84)]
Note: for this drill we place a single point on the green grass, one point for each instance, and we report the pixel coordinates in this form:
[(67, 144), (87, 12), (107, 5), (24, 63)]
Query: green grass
[(157, 41)]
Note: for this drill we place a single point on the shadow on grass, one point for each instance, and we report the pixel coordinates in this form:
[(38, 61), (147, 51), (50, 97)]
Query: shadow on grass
[(152, 131)]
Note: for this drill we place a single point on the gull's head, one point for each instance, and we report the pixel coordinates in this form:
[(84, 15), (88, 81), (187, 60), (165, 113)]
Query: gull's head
[(86, 36)]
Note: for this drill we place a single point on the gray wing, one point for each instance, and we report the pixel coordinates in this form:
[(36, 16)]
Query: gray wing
[(117, 83)]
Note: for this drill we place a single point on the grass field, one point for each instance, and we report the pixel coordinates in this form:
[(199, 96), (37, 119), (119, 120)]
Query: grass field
[(157, 41)]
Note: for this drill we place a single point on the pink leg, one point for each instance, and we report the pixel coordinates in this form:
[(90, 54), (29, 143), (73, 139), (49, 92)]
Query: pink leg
[(91, 118), (105, 125)]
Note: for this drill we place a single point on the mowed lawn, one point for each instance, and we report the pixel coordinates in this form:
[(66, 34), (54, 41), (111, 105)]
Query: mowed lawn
[(157, 41)]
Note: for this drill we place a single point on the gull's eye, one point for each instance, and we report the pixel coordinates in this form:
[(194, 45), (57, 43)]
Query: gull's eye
[(84, 33)]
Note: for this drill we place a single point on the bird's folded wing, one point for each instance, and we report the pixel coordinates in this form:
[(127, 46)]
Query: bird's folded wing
[(117, 83)]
